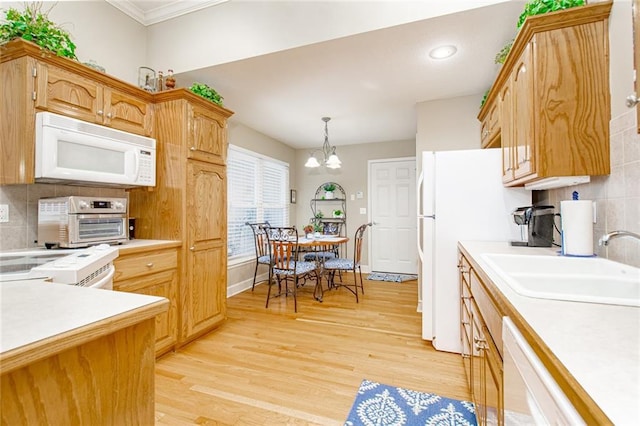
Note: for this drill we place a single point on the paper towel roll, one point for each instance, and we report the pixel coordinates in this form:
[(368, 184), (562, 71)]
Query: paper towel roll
[(576, 217)]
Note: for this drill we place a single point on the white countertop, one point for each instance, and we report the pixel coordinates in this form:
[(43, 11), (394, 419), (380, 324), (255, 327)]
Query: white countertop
[(34, 310), (598, 344)]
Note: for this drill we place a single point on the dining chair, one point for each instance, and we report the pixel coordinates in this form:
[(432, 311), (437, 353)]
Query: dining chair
[(260, 241), (331, 266), (285, 266)]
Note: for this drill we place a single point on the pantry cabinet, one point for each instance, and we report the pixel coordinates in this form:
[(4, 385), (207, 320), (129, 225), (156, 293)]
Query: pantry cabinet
[(152, 271), (32, 80), (553, 97), (189, 203), (481, 334)]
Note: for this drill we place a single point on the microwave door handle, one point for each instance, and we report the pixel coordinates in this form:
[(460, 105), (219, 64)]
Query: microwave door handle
[(136, 157)]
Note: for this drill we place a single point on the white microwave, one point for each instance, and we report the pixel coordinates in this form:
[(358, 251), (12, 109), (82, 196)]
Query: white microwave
[(76, 152)]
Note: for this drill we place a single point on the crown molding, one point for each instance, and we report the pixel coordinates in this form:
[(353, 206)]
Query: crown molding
[(169, 10)]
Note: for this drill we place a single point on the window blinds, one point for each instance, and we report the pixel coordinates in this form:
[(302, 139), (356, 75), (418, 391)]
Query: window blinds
[(257, 191)]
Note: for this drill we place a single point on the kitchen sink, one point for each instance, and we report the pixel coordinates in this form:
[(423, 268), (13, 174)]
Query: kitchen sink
[(592, 280)]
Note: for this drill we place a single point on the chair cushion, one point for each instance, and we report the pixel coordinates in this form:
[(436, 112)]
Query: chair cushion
[(339, 263), (301, 268), (264, 259), (319, 255)]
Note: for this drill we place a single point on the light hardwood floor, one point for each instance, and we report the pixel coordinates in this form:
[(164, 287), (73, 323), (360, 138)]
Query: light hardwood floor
[(274, 367)]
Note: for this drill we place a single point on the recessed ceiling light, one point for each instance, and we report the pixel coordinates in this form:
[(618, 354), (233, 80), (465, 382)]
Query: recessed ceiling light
[(443, 52)]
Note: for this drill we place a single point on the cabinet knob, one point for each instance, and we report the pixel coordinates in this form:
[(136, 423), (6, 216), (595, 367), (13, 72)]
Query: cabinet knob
[(192, 248), (109, 115), (100, 112), (150, 265), (193, 148), (632, 100)]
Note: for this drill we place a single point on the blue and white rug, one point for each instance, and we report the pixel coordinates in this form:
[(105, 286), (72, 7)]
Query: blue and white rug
[(382, 405), (396, 278)]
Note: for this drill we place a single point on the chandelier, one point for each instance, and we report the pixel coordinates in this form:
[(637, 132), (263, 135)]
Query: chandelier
[(330, 157)]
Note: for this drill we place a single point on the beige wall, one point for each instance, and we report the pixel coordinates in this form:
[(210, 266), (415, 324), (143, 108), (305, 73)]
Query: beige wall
[(22, 229), (115, 41)]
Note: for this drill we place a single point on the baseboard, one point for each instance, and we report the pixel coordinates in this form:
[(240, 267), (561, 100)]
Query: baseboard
[(244, 285)]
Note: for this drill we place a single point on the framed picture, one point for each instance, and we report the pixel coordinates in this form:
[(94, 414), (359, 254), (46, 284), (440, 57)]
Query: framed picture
[(293, 196)]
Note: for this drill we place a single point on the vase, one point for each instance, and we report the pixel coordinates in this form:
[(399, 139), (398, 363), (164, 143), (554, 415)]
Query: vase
[(328, 195)]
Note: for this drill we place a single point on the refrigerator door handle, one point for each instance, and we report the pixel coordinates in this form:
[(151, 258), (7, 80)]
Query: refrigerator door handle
[(419, 218)]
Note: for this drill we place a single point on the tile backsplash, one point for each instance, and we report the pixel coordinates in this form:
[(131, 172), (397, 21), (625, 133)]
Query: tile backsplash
[(22, 229), (617, 196)]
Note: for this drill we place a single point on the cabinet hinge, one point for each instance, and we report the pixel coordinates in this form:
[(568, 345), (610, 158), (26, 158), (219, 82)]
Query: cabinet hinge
[(33, 95), (35, 72)]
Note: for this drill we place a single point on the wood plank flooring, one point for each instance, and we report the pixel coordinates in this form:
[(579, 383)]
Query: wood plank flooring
[(274, 367)]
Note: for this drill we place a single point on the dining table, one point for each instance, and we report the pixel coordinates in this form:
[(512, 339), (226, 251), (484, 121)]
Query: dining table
[(320, 243)]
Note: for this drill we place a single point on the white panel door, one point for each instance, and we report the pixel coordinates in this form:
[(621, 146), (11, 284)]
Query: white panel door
[(393, 213)]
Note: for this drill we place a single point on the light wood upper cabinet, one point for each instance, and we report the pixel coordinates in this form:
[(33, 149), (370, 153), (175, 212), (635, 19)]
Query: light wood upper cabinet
[(208, 140), (32, 81), (522, 116), (553, 95), (66, 93), (490, 127)]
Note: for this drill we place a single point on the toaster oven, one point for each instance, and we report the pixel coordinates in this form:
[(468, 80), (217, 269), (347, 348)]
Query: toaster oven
[(74, 221)]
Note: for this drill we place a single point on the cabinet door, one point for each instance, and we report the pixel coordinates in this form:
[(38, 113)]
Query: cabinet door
[(127, 113), (163, 284), (207, 138), (492, 382), (68, 94), (477, 367), (508, 143), (522, 102), (465, 317), (205, 289)]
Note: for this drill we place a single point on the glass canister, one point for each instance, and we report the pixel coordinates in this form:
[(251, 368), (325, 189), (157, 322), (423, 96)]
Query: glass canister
[(147, 79)]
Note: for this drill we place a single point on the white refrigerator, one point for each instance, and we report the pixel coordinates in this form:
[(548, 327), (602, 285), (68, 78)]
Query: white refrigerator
[(460, 197)]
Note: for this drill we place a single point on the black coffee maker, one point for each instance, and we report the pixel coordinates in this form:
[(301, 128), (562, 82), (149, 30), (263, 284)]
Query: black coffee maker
[(536, 226)]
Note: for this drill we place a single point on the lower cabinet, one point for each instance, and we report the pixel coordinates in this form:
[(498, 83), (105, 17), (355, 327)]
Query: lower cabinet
[(153, 272), (481, 357)]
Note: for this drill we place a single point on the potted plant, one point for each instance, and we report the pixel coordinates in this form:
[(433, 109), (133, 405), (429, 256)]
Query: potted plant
[(328, 190), (308, 231), (532, 8), (319, 215), (33, 25), (318, 227), (206, 92), (337, 213)]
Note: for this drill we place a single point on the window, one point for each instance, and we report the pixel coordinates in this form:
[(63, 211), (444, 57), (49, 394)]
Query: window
[(258, 191)]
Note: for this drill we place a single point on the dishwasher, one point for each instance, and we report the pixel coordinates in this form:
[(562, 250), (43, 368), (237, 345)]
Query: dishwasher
[(531, 395)]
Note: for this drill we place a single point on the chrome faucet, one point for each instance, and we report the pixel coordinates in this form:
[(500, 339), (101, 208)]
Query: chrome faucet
[(604, 240)]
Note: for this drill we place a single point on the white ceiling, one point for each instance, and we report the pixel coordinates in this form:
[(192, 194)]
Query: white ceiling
[(368, 83)]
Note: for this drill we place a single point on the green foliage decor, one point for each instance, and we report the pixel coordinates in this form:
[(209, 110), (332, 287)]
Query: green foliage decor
[(502, 54), (329, 187), (532, 8), (206, 92), (538, 7), (34, 25)]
